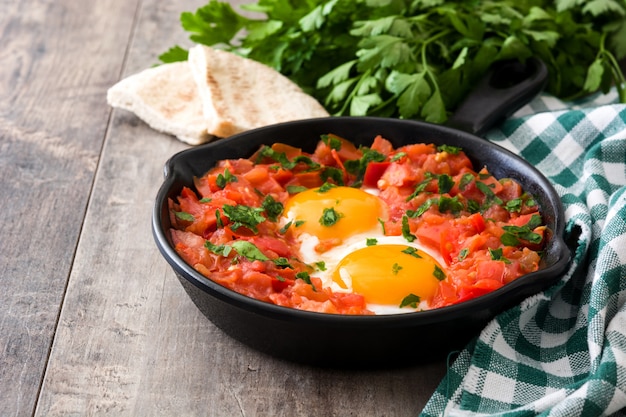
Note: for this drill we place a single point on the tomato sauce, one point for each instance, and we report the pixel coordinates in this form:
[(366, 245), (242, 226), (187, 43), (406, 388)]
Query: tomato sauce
[(489, 231)]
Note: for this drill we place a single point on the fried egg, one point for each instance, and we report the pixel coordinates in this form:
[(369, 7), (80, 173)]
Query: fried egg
[(341, 235)]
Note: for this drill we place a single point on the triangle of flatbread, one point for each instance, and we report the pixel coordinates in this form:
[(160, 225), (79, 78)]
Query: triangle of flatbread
[(166, 98), (239, 94)]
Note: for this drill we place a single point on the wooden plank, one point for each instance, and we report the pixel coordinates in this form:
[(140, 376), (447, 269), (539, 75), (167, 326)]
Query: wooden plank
[(131, 343), (52, 127)]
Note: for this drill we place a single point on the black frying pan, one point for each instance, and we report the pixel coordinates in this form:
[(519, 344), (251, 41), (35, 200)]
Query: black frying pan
[(363, 341)]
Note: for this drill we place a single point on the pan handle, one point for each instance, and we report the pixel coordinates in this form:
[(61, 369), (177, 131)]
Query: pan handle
[(505, 88)]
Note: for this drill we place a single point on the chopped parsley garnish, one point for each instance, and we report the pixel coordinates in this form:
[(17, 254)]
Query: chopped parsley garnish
[(272, 208), (491, 197), (396, 268), (331, 141), (205, 200), (357, 167), (332, 173), (321, 265), (245, 216), (450, 204), (514, 206), (225, 178), (295, 189), (452, 150), (421, 209), (304, 276), (184, 216), (283, 229), (281, 158), (370, 241), (410, 300), (249, 250), (382, 224), (513, 234), (406, 230), (326, 187), (329, 217), (411, 251), (445, 183), (218, 219), (463, 254), (439, 274), (282, 262), (496, 255), (398, 156), (466, 180), (222, 250), (421, 187)]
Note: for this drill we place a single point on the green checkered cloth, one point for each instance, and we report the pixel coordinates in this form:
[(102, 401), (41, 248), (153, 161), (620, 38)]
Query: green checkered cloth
[(563, 351)]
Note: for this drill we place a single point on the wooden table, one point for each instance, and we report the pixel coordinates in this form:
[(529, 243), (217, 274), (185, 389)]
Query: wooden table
[(92, 319)]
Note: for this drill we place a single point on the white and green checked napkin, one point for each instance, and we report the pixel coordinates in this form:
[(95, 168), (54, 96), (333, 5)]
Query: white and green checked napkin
[(563, 351)]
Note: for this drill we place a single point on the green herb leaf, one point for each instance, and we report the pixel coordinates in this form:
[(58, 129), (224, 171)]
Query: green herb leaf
[(225, 178), (272, 208), (371, 242), (329, 217), (406, 230), (396, 267), (249, 250), (411, 251), (222, 250), (184, 216), (439, 274), (416, 59), (410, 300), (245, 216)]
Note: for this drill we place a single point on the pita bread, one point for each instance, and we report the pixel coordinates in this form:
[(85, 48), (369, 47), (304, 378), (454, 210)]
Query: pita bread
[(239, 94), (166, 98)]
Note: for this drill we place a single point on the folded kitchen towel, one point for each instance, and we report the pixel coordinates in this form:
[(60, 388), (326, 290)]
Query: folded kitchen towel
[(561, 352)]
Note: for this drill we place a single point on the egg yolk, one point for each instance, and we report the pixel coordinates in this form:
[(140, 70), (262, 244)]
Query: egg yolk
[(387, 274), (337, 212)]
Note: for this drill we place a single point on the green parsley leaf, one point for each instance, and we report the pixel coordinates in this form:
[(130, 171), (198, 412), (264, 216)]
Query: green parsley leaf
[(396, 267), (463, 254), (248, 250), (326, 187), (329, 217), (225, 178), (496, 255), (439, 274), (304, 276), (410, 300), (272, 208), (245, 216), (406, 230), (321, 265), (371, 242), (222, 250), (411, 251), (445, 183), (452, 150), (184, 216), (331, 141), (282, 262), (295, 189)]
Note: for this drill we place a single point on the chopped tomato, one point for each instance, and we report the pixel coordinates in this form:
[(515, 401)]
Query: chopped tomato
[(373, 172)]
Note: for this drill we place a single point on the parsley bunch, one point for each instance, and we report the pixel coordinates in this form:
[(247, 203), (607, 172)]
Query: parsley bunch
[(417, 58)]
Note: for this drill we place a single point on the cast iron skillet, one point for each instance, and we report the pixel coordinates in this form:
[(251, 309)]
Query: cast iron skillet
[(349, 341)]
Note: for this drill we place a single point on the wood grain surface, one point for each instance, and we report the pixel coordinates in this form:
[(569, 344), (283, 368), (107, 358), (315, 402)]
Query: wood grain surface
[(92, 319)]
